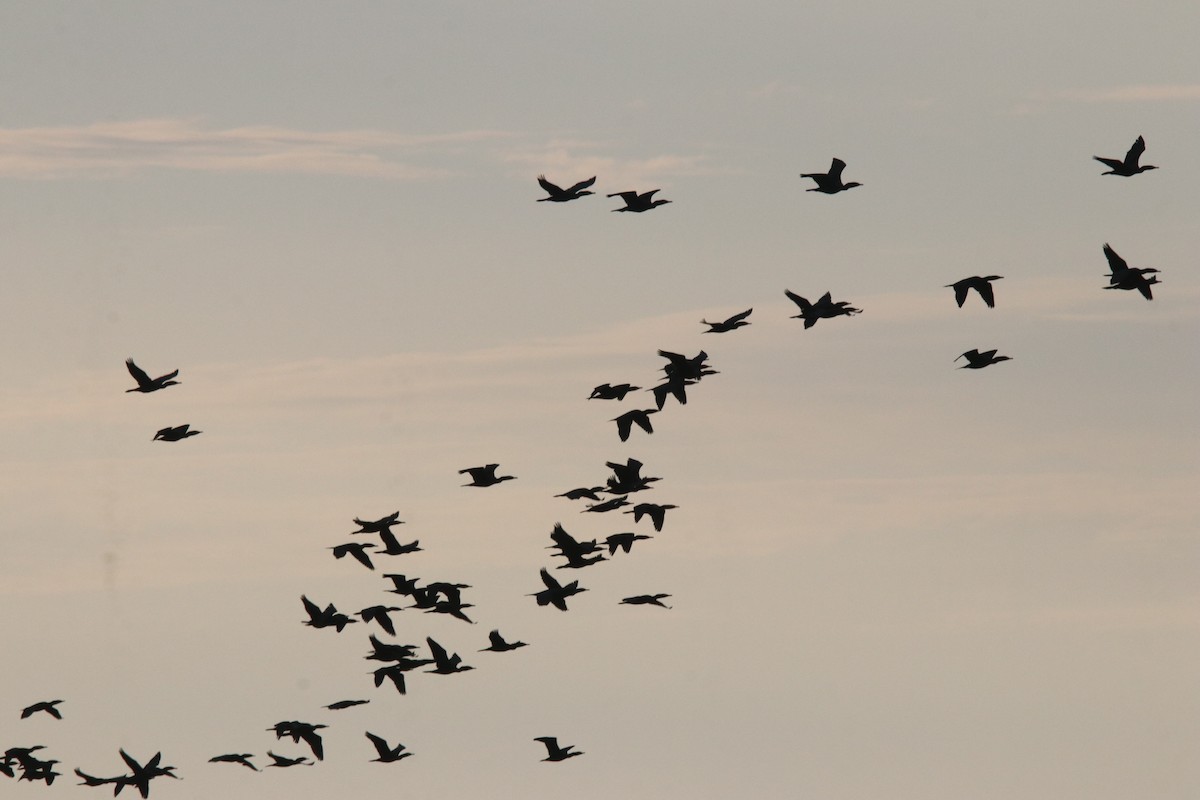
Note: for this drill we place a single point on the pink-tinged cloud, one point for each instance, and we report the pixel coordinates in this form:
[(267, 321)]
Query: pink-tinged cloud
[(113, 149)]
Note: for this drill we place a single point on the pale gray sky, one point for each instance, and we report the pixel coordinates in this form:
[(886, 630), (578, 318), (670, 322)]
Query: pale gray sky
[(891, 578)]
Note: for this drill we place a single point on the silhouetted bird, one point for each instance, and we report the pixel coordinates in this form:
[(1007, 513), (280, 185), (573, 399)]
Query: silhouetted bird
[(646, 600), (1127, 166), (626, 421), (234, 758), (555, 593), (830, 182), (284, 761), (637, 203), (379, 615), (627, 478), (582, 492), (344, 704), (394, 673), (981, 284), (445, 664), (330, 617), (392, 546), (146, 384), (554, 752), (568, 545), (142, 775), (558, 195), (499, 645), (624, 541), (656, 512), (378, 526), (92, 780), (484, 476), (404, 585), (1126, 277), (387, 754), (675, 386), (302, 730), (733, 323), (693, 368), (978, 360), (356, 549), (45, 705), (454, 608), (607, 505), (607, 391), (824, 308), (388, 651), (175, 434)]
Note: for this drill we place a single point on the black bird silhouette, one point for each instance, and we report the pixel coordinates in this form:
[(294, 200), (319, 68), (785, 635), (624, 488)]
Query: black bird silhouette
[(142, 775), (607, 505), (45, 705), (92, 780), (607, 391), (330, 617), (378, 526), (1126, 277), (675, 386), (379, 615), (404, 584), (554, 752), (824, 308), (637, 203), (387, 754), (1127, 166), (693, 368), (733, 323), (146, 384), (981, 284), (175, 434), (656, 512), (302, 730), (454, 608), (387, 651), (568, 545), (626, 421), (343, 704), (284, 761), (646, 600), (392, 546), (627, 478), (582, 492), (555, 593), (559, 195), (356, 549), (394, 673), (499, 645), (234, 758), (445, 664), (32, 768), (830, 182), (623, 541), (485, 475), (978, 360)]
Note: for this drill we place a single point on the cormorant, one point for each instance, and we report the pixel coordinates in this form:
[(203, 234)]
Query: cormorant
[(656, 512), (343, 704), (45, 705), (824, 308), (387, 754), (174, 434), (146, 384), (626, 421), (445, 664), (555, 593), (646, 600), (485, 475), (609, 392), (981, 284), (733, 323), (234, 758), (554, 752), (637, 203), (356, 549), (559, 195), (1128, 166), (499, 645), (830, 182), (978, 360)]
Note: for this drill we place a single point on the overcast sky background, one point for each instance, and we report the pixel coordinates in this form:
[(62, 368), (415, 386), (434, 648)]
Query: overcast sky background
[(891, 578)]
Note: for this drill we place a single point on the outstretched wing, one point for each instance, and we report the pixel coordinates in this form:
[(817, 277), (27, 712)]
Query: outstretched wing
[(1135, 151), (1115, 262), (137, 372), (582, 185), (835, 169), (798, 300)]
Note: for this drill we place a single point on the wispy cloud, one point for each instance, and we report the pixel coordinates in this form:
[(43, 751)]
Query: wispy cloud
[(107, 149), (568, 160), (1145, 93)]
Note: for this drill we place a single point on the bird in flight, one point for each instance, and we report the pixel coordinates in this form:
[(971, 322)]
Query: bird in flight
[(378, 526), (342, 704), (330, 617), (646, 600), (978, 360), (981, 284), (175, 434), (445, 664), (733, 323), (141, 775), (830, 182), (623, 541), (1129, 165), (48, 706), (387, 753), (485, 475), (608, 392), (637, 203), (146, 384), (284, 761), (554, 752), (555, 593), (499, 645), (559, 195), (626, 421), (1126, 277), (824, 308), (656, 512), (627, 477), (356, 549), (234, 758), (379, 614), (582, 492), (302, 730)]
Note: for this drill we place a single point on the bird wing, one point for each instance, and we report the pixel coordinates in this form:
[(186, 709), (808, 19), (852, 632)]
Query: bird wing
[(739, 317), (1143, 286), (1135, 151), (550, 582), (1111, 163), (438, 652), (137, 372), (1115, 262), (381, 745), (960, 292), (548, 186), (628, 197), (985, 291), (798, 300), (582, 185), (835, 169)]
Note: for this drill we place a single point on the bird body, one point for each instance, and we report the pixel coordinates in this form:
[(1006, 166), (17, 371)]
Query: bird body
[(1123, 276), (981, 284), (175, 434), (607, 391), (387, 753), (48, 706), (485, 475), (626, 421), (344, 704), (555, 593), (978, 360), (356, 549), (234, 758), (554, 752), (146, 384), (830, 182), (824, 308), (656, 512), (637, 203), (733, 323), (499, 645), (646, 600)]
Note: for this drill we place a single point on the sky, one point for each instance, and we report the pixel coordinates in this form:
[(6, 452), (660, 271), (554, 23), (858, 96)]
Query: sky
[(889, 577)]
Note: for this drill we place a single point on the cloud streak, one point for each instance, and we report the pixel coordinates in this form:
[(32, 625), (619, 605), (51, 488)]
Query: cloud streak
[(115, 149)]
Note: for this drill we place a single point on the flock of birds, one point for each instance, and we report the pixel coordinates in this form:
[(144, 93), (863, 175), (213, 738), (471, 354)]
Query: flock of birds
[(680, 373)]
